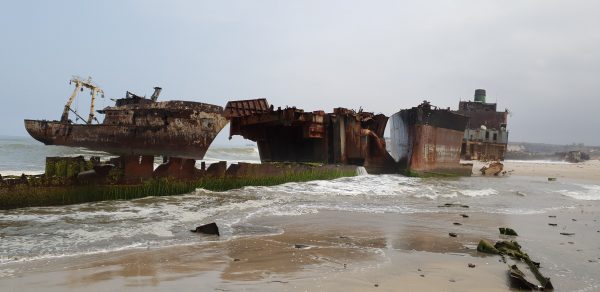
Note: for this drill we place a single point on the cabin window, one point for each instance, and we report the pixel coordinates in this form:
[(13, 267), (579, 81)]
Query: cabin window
[(487, 135), (495, 136)]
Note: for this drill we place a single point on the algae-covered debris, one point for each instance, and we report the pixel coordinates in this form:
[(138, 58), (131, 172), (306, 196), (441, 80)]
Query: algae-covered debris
[(517, 279), (487, 247), (447, 205), (507, 231), (512, 249)]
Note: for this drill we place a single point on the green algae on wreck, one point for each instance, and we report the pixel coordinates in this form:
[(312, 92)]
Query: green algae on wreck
[(42, 190), (518, 279)]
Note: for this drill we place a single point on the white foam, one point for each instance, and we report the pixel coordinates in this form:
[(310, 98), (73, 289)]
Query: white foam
[(478, 193), (45, 218), (525, 211), (6, 260), (4, 273), (361, 171), (435, 195), (368, 185), (587, 193)]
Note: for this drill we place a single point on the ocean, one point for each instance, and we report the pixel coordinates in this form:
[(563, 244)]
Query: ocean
[(44, 233)]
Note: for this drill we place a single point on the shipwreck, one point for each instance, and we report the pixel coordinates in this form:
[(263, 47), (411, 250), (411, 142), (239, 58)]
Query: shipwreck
[(486, 134), (293, 144), (136, 130), (342, 136), (134, 126), (426, 140)]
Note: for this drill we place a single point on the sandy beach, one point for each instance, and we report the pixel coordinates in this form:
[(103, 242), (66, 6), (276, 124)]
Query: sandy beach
[(334, 250), (585, 171)]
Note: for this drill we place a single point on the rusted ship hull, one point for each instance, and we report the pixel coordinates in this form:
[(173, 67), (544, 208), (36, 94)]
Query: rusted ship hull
[(290, 134), (173, 128), (428, 141)]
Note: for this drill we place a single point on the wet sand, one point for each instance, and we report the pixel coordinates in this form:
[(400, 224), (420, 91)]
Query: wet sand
[(344, 251), (340, 251)]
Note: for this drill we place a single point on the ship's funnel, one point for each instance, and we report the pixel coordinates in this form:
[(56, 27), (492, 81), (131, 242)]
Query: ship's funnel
[(480, 95), (157, 91)]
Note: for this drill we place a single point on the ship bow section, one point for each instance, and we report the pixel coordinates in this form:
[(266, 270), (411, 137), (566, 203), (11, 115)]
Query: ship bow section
[(47, 132)]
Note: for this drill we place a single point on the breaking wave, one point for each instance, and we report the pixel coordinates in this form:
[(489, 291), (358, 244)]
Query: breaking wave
[(586, 192), (478, 193)]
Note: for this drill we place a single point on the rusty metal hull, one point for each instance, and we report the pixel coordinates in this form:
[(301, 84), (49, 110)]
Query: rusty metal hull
[(173, 128), (290, 134), (428, 141)]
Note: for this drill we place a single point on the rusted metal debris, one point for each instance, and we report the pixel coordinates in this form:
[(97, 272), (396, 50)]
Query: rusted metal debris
[(343, 136), (427, 140), (486, 135), (240, 108), (138, 126), (492, 168)]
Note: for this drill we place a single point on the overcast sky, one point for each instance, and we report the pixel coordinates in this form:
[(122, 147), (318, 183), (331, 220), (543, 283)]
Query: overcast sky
[(540, 59)]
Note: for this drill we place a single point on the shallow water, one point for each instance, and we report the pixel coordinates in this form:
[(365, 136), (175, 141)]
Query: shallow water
[(45, 232)]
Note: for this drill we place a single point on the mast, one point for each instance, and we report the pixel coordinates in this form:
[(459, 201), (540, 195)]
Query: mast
[(79, 85)]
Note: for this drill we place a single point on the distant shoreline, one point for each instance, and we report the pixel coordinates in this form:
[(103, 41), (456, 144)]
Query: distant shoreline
[(587, 171)]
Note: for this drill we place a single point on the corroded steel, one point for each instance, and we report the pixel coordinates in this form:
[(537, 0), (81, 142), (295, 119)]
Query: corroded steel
[(428, 140), (139, 126), (291, 134), (483, 151), (240, 108), (486, 135)]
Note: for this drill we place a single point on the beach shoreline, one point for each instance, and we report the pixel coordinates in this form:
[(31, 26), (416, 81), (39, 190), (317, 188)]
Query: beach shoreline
[(334, 250)]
